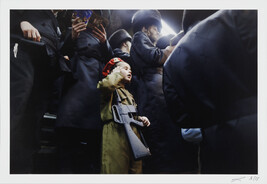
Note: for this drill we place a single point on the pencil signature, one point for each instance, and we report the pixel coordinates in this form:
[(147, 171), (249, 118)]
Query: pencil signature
[(238, 179)]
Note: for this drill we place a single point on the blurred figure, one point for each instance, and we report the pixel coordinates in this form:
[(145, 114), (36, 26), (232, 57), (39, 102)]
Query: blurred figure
[(191, 136), (210, 82), (121, 42), (78, 125), (188, 141), (35, 48), (193, 17), (162, 137)]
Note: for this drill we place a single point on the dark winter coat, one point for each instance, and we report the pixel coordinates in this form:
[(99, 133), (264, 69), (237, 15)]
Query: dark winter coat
[(123, 55), (80, 105), (33, 69), (147, 59), (47, 25), (162, 137), (210, 81)]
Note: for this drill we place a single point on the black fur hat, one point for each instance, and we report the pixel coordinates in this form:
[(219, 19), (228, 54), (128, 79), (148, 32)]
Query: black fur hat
[(146, 18)]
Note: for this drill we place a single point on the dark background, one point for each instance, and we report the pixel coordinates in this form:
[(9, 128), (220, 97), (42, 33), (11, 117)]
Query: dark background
[(121, 19)]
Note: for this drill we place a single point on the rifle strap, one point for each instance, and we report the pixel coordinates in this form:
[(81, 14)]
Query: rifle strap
[(142, 137), (116, 95)]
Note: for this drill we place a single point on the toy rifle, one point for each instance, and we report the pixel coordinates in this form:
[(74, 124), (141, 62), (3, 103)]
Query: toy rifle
[(123, 114)]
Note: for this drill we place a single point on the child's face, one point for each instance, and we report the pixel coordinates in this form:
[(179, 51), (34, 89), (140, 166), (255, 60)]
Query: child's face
[(125, 71)]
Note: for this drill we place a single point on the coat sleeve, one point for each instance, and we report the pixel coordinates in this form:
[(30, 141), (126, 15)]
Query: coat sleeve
[(16, 17), (212, 73), (178, 110), (174, 103), (149, 53), (68, 47), (109, 83), (107, 50)]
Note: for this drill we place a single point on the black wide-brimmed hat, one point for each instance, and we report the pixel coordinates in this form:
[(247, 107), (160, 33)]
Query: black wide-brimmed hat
[(118, 37)]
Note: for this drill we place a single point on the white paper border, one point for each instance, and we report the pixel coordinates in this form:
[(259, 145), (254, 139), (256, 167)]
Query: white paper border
[(6, 5)]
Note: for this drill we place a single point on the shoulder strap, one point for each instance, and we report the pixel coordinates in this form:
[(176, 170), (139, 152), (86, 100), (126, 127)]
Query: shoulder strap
[(116, 97)]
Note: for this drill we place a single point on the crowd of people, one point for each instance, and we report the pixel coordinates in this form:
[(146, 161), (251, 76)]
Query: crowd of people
[(196, 92)]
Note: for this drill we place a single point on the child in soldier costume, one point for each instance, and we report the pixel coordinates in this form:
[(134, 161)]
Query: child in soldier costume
[(120, 41), (116, 153)]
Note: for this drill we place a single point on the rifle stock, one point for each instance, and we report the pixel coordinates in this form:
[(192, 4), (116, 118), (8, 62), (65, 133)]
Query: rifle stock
[(123, 114), (138, 149)]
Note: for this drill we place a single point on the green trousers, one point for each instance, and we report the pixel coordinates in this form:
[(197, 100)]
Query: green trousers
[(116, 152)]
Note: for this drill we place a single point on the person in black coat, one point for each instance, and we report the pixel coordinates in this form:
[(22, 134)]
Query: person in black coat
[(78, 124), (121, 42), (210, 82), (191, 137), (35, 46), (162, 137), (188, 139)]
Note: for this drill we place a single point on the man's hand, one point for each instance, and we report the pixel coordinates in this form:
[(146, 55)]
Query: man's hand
[(67, 58), (101, 35), (168, 50), (166, 53), (29, 31), (145, 120), (77, 28)]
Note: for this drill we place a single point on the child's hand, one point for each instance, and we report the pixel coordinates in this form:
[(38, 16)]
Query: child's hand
[(145, 120)]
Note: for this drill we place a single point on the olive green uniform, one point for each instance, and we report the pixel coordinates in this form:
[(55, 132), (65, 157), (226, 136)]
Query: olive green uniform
[(116, 153)]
